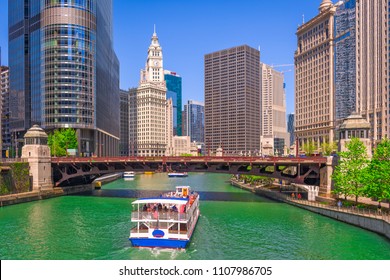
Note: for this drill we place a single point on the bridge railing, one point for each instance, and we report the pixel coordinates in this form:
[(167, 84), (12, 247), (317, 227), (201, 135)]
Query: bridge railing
[(11, 160), (168, 159)]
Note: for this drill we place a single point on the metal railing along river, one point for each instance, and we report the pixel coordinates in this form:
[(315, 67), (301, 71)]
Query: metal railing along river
[(366, 212)]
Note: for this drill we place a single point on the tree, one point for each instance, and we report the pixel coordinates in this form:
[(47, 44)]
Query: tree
[(328, 148), (377, 179), (61, 140), (349, 175), (309, 148)]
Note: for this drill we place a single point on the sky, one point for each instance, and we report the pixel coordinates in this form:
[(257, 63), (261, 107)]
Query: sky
[(189, 29)]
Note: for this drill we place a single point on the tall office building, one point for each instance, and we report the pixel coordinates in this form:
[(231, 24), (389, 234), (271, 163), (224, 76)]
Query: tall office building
[(133, 122), (273, 123), (232, 100), (291, 128), (345, 59), (169, 128), (174, 91), (372, 52), (152, 104), (124, 143), (194, 121), (5, 137), (314, 77), (64, 71)]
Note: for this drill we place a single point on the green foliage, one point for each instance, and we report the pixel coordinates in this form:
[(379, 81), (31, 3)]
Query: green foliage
[(256, 180), (20, 175), (61, 140), (377, 177), (328, 148), (186, 155), (349, 175), (309, 148), (16, 180)]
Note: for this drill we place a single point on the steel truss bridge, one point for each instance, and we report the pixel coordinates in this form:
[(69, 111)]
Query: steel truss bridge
[(310, 170)]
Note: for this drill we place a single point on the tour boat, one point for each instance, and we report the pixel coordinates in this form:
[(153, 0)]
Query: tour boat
[(167, 221), (177, 174), (129, 175)]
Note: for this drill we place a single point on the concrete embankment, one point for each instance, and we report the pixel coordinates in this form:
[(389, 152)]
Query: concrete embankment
[(12, 199), (367, 220)]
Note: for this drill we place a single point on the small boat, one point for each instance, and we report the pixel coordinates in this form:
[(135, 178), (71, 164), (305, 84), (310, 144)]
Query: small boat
[(167, 221), (99, 182), (177, 174), (128, 174)]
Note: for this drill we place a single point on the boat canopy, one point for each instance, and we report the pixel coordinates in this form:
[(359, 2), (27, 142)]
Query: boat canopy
[(170, 200)]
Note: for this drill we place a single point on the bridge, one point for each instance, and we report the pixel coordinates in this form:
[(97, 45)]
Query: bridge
[(314, 171)]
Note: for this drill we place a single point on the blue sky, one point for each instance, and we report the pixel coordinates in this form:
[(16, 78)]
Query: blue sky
[(189, 29)]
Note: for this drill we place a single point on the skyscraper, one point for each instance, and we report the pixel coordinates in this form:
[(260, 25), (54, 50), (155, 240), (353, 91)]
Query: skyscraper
[(5, 137), (64, 71), (124, 123), (372, 51), (345, 59), (314, 77), (152, 104), (174, 91), (194, 121), (273, 123), (291, 127), (232, 100)]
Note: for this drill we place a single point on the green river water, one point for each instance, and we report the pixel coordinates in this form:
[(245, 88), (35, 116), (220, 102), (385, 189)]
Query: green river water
[(234, 225)]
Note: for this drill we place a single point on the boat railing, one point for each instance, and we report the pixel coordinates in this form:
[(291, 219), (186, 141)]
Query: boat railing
[(159, 215)]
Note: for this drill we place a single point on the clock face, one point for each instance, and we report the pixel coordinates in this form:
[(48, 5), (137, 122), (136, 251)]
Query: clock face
[(156, 63)]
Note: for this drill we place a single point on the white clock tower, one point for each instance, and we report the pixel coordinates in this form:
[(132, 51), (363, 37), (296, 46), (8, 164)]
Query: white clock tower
[(154, 71), (152, 104)]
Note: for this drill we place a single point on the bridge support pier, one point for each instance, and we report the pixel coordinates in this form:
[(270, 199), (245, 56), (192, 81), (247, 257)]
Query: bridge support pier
[(326, 178), (37, 153)]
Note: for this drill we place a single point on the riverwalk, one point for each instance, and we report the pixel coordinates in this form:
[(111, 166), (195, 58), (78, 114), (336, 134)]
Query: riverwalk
[(366, 218), (17, 198)]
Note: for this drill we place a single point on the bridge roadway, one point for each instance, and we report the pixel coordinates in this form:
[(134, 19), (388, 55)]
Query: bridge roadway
[(81, 170)]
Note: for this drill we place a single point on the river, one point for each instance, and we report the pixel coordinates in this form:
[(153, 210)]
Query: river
[(234, 225)]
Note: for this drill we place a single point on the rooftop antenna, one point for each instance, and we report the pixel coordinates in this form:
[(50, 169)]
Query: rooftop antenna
[(154, 28), (303, 19)]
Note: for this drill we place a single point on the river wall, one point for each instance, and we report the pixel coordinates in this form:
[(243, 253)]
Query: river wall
[(377, 223), (12, 199)]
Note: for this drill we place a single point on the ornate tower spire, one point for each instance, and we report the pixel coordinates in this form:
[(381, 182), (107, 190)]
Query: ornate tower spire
[(153, 71), (326, 4)]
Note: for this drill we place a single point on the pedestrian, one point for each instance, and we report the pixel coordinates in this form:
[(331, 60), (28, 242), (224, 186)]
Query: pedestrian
[(339, 204), (299, 196), (292, 195), (379, 209)]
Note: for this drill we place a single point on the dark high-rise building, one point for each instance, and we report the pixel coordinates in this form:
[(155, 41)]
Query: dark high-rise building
[(291, 127), (174, 91), (232, 100), (345, 59), (64, 71), (194, 121), (124, 122)]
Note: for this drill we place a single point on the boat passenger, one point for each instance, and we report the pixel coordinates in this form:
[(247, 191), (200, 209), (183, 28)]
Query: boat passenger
[(174, 208), (145, 208)]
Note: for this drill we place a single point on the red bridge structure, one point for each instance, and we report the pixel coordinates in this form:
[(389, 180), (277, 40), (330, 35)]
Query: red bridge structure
[(313, 171)]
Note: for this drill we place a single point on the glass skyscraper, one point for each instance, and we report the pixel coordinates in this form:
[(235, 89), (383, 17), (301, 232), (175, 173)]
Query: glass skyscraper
[(64, 71), (174, 91), (345, 59), (194, 121), (290, 127)]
